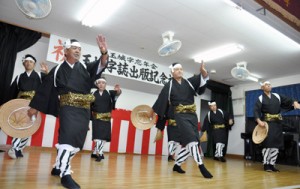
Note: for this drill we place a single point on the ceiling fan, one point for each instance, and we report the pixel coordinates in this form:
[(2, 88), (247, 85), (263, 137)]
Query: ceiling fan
[(169, 45), (240, 72), (34, 9)]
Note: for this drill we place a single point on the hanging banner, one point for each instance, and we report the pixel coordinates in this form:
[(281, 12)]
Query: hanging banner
[(120, 64)]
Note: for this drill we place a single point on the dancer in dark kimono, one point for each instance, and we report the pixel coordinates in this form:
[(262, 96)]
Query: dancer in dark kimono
[(267, 109), (66, 93), (101, 111), (24, 86), (172, 129), (179, 93), (217, 121)]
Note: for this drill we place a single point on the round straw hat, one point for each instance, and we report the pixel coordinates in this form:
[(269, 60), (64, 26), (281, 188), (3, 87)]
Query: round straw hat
[(260, 133), (203, 138), (14, 120), (140, 119)]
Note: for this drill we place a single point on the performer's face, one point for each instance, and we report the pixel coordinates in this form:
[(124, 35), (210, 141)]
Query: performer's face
[(29, 65), (73, 54), (101, 85), (267, 87), (177, 73), (213, 107)]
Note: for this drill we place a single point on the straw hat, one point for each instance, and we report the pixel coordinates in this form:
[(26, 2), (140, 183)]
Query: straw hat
[(14, 120), (140, 119), (260, 133), (203, 138)]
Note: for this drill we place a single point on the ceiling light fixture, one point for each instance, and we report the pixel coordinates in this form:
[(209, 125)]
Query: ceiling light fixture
[(219, 52), (98, 11), (252, 78)]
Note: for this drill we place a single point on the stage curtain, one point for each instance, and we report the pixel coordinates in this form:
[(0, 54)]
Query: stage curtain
[(221, 94), (13, 39)]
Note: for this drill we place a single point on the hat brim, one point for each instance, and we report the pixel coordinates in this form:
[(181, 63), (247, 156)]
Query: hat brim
[(14, 120), (260, 133), (203, 138), (140, 119)]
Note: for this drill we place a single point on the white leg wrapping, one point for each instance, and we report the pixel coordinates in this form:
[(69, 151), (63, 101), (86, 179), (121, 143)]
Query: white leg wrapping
[(265, 153), (182, 156), (64, 156), (194, 150), (273, 155)]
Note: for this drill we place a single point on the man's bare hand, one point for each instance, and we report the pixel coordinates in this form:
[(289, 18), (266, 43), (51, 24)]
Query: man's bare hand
[(159, 135), (261, 123), (118, 89), (44, 67), (203, 71), (296, 105), (32, 113), (101, 43)]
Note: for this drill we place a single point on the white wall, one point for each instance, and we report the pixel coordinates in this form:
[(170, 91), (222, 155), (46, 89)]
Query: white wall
[(235, 143)]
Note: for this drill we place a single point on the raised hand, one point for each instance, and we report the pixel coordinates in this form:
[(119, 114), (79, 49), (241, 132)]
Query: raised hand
[(101, 43), (203, 70), (296, 105), (44, 67), (117, 88)]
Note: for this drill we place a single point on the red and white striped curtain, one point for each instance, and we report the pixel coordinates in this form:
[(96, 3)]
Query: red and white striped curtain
[(125, 137)]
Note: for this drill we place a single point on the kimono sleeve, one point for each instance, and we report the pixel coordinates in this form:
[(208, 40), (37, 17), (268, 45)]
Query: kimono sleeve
[(43, 76), (227, 117), (94, 69), (195, 81), (160, 106), (46, 96), (286, 103), (257, 110), (161, 123), (201, 90), (205, 125), (114, 97), (13, 90)]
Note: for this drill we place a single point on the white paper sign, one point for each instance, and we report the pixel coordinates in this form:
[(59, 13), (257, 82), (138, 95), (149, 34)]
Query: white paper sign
[(120, 64)]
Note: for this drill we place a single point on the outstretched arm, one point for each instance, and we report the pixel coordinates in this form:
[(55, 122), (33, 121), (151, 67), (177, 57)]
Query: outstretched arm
[(203, 71), (103, 49)]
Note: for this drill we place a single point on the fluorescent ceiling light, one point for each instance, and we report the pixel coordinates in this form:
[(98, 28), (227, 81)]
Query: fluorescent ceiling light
[(252, 78), (218, 52), (98, 11)]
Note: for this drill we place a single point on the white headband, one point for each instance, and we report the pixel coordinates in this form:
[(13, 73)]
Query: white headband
[(101, 79), (28, 58), (211, 103), (264, 83), (175, 66), (67, 44)]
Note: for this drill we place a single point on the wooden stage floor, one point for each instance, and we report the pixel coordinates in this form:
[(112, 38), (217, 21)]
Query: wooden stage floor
[(140, 171)]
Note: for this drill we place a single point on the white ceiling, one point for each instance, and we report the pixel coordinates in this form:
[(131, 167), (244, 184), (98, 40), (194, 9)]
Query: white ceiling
[(200, 24)]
